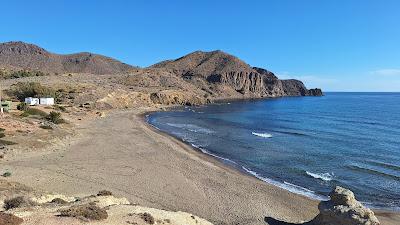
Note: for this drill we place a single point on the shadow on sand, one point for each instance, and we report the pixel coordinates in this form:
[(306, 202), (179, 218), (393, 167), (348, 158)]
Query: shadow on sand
[(272, 221)]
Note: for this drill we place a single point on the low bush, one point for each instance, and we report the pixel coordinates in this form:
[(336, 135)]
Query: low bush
[(22, 90), (89, 211), (4, 142), (55, 117), (60, 108), (2, 133), (59, 201), (104, 193), (17, 202), (6, 174), (147, 217), (22, 106), (21, 73), (34, 112), (46, 127)]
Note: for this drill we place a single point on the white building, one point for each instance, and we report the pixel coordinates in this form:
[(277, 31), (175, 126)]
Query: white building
[(32, 101), (47, 101)]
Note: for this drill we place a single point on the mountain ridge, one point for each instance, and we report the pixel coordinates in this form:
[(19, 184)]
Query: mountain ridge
[(20, 55), (211, 75), (220, 68)]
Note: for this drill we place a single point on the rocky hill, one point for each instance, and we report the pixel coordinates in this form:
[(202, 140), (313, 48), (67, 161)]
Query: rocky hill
[(216, 72), (20, 55), (197, 78)]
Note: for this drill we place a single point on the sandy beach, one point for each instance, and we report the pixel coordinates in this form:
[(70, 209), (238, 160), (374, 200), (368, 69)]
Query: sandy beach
[(123, 154)]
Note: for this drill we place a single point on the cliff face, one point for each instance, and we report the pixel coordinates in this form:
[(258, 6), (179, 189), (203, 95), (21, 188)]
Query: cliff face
[(19, 55), (296, 88), (220, 71)]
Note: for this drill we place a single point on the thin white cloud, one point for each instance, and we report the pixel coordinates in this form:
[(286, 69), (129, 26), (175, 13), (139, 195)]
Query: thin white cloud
[(386, 72)]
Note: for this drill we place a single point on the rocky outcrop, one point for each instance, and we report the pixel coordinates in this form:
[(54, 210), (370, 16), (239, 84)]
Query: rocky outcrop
[(97, 209), (20, 55), (344, 209), (293, 87), (221, 70), (315, 92), (174, 97)]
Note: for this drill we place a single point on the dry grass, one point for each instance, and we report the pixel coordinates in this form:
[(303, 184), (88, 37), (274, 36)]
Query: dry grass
[(17, 202), (59, 201), (104, 193), (89, 211), (147, 217)]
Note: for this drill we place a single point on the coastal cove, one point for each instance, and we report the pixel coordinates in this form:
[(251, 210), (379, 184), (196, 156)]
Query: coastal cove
[(305, 145), (151, 168)]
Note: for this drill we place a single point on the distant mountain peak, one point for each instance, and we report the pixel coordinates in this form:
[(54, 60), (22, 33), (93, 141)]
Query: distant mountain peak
[(18, 54), (220, 68)]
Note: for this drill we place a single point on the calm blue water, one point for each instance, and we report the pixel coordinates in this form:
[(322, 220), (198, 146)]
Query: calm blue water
[(304, 144)]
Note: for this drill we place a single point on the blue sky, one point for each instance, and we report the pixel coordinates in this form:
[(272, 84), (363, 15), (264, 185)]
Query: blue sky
[(341, 45)]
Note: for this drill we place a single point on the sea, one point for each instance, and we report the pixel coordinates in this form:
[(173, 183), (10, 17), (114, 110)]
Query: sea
[(306, 145)]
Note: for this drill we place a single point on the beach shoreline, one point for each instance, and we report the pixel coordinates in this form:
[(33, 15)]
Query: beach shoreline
[(154, 169), (234, 166), (385, 214)]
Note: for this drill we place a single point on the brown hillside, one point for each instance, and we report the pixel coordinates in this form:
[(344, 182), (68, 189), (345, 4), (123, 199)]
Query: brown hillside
[(20, 55), (226, 76)]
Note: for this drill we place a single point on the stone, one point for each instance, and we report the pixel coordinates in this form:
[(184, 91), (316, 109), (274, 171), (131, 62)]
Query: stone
[(344, 209)]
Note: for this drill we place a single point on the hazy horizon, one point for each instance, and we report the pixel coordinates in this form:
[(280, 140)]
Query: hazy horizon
[(336, 46)]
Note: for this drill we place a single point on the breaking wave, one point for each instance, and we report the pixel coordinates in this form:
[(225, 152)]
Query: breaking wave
[(322, 176), (191, 127), (264, 135), (288, 186)]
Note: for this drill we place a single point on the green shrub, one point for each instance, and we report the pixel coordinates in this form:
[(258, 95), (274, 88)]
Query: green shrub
[(59, 201), (6, 174), (22, 106), (34, 112), (104, 193), (147, 217), (4, 142), (90, 212), (20, 74), (2, 133), (17, 202), (46, 127), (22, 90), (60, 108), (55, 117)]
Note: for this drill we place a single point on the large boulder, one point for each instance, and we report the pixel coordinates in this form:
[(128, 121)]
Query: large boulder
[(344, 209)]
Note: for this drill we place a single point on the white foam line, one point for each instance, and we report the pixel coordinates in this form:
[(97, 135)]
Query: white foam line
[(288, 186), (264, 135), (322, 176)]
